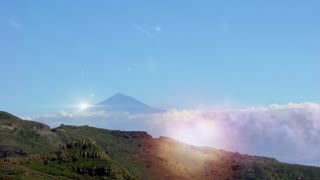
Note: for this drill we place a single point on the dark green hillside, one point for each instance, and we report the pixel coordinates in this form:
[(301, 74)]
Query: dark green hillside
[(79, 159), (150, 158), (25, 137), (129, 149)]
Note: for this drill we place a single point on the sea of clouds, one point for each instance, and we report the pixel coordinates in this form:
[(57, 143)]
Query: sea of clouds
[(289, 132)]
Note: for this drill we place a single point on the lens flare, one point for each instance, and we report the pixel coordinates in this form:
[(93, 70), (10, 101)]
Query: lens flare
[(83, 106), (194, 133)]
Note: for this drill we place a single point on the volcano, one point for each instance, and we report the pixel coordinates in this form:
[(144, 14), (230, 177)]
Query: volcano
[(123, 103)]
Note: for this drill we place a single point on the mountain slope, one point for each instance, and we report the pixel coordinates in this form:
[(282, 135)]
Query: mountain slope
[(123, 103), (89, 153), (78, 159), (156, 158), (21, 137)]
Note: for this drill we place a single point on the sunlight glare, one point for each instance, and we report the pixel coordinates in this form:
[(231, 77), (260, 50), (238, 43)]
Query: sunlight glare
[(199, 133), (83, 106)]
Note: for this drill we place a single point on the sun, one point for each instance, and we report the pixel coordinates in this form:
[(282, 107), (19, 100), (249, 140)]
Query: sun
[(83, 106)]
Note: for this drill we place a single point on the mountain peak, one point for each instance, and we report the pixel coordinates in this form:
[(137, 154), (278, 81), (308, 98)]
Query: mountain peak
[(119, 98), (120, 95), (124, 103)]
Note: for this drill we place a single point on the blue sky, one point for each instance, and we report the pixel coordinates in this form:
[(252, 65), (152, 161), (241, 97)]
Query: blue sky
[(54, 54)]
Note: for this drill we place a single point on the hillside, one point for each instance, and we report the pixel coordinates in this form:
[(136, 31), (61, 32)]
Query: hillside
[(20, 137), (151, 158), (78, 159), (73, 152)]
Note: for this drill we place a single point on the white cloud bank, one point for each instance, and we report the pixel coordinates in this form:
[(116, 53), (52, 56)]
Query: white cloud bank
[(290, 132)]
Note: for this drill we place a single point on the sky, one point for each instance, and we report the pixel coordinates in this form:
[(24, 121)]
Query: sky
[(182, 54)]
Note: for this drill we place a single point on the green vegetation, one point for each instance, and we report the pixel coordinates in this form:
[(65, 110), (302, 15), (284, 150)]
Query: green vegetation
[(70, 152), (80, 159), (25, 137)]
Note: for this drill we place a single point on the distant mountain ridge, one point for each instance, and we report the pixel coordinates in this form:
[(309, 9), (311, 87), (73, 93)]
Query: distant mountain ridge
[(123, 103)]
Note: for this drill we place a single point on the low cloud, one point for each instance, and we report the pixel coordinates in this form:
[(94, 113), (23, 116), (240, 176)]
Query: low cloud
[(289, 132)]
